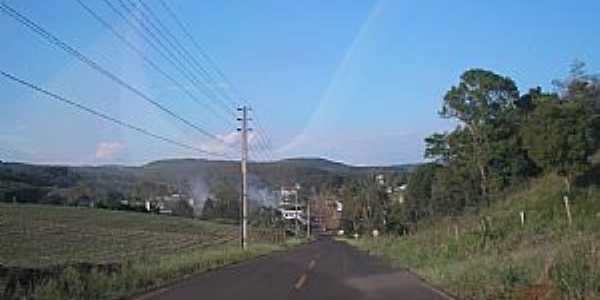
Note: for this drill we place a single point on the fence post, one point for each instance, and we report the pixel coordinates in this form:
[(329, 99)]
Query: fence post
[(568, 209), (522, 215)]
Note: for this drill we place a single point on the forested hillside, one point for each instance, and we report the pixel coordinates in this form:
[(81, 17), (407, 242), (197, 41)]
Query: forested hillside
[(194, 178), (508, 206), (502, 139)]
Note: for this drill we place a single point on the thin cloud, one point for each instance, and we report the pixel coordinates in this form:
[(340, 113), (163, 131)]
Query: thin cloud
[(228, 143), (109, 150)]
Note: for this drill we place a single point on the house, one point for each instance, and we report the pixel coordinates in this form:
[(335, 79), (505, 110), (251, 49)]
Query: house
[(165, 204), (288, 207), (287, 196), (291, 214), (339, 206), (380, 179)]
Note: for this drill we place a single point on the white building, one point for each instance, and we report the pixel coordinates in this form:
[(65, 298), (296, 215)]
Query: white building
[(339, 206)]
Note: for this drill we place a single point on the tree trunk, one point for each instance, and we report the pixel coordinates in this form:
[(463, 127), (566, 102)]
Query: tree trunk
[(477, 151), (483, 183)]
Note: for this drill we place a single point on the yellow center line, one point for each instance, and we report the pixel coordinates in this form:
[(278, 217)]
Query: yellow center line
[(300, 282), (311, 265)]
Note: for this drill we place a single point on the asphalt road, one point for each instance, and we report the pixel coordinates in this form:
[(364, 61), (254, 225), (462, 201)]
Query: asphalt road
[(324, 269)]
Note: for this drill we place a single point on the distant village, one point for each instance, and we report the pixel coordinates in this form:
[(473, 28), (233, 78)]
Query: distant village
[(291, 209)]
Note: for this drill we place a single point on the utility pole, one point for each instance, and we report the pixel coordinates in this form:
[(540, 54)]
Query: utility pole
[(297, 210), (244, 194), (308, 219)]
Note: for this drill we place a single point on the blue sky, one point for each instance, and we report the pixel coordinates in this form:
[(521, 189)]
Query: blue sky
[(354, 81)]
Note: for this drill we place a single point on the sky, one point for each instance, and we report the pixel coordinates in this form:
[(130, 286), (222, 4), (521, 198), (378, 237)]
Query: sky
[(353, 81)]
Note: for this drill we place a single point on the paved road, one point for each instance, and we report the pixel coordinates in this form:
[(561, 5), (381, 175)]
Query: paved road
[(324, 269)]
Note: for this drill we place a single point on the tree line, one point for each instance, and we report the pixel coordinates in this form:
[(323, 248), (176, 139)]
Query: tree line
[(501, 139)]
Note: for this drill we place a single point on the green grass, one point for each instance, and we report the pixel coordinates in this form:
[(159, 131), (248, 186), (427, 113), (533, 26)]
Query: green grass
[(494, 257), (38, 236), (142, 275), (147, 250)]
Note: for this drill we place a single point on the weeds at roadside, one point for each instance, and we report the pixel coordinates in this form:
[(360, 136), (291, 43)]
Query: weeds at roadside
[(139, 276), (496, 257)]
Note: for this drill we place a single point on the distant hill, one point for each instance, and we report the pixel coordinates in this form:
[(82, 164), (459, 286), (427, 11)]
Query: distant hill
[(75, 185), (341, 168)]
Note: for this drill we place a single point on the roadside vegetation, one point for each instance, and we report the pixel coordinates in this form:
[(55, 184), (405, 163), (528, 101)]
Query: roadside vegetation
[(492, 255), (51, 252), (509, 205)]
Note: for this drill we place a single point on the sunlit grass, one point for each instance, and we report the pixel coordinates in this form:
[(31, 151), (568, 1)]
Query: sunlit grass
[(506, 259)]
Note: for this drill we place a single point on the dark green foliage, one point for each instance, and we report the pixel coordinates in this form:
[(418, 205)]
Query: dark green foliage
[(225, 205), (455, 188), (266, 217), (480, 97), (437, 148), (367, 204), (504, 138), (558, 137), (76, 186), (418, 194), (482, 104), (183, 209)]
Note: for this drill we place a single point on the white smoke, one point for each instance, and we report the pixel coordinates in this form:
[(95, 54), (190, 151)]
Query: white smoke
[(200, 192), (260, 193)]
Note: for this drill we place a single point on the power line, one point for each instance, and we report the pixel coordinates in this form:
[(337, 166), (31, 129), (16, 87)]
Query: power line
[(151, 63), (261, 132), (163, 30), (259, 155), (261, 138), (108, 117), (266, 155), (70, 50), (264, 140), (206, 57), (155, 42)]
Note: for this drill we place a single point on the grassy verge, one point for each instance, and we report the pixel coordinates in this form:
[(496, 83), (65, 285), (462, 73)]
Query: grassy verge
[(50, 252), (491, 255), (138, 276)]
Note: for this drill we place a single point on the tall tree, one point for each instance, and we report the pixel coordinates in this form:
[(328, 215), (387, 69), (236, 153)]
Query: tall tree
[(477, 102)]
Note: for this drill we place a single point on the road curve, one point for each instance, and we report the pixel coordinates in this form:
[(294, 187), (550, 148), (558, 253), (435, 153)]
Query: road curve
[(324, 269)]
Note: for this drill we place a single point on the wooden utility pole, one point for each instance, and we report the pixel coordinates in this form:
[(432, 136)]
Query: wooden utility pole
[(244, 159), (308, 219)]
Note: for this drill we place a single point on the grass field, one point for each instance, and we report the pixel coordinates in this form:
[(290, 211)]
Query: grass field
[(491, 255), (38, 236), (143, 250)]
